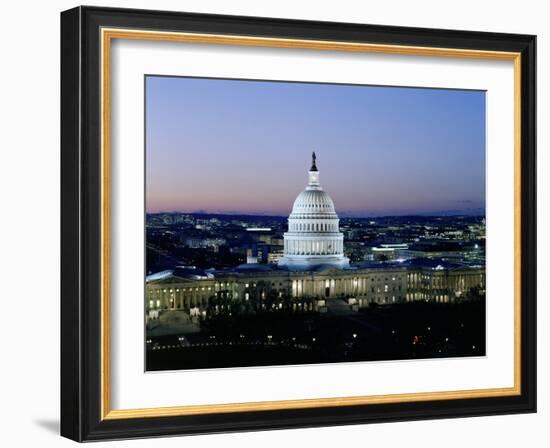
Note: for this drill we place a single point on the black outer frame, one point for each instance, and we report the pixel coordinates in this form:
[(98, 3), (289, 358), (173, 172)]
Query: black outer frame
[(81, 207)]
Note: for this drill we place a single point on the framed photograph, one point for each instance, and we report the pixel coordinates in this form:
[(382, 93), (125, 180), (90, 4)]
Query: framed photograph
[(274, 223)]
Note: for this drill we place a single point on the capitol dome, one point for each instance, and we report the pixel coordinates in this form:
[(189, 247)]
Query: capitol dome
[(313, 236), (313, 201)]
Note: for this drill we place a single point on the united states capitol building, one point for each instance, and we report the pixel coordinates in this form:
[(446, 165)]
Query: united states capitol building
[(314, 273)]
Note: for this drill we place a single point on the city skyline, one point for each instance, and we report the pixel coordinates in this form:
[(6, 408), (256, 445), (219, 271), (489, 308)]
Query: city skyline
[(435, 214), (243, 147)]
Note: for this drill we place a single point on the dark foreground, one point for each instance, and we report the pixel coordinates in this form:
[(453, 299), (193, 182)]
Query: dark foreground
[(392, 332)]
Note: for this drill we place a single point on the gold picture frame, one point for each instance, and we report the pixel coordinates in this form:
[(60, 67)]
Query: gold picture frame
[(107, 30)]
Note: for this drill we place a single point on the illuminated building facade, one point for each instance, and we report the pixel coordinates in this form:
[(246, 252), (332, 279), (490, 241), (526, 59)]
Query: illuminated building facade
[(356, 286)]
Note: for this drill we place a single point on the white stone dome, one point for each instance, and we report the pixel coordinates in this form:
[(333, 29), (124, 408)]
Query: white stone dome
[(313, 202), (313, 236)]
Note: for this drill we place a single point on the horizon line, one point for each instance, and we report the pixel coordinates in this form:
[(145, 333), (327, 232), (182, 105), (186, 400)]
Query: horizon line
[(441, 213)]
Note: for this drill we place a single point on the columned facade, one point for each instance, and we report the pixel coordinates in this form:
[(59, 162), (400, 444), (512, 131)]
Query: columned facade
[(379, 285)]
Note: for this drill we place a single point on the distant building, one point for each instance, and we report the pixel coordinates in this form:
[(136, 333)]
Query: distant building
[(260, 234), (387, 251), (457, 250), (257, 253), (275, 254)]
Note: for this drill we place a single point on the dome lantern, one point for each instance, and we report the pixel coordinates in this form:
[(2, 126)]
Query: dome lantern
[(313, 183)]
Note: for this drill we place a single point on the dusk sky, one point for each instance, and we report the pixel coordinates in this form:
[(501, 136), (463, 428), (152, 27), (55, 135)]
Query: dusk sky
[(230, 146)]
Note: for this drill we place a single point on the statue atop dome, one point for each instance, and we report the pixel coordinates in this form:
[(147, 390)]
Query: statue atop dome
[(313, 160)]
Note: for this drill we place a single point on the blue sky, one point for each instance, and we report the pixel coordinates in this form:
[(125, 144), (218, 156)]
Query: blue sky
[(238, 146)]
